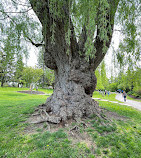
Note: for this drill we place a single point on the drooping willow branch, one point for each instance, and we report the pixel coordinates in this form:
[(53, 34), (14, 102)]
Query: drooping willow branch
[(15, 12), (25, 5), (14, 22)]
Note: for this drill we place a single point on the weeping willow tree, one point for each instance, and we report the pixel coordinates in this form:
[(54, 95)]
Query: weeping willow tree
[(77, 35)]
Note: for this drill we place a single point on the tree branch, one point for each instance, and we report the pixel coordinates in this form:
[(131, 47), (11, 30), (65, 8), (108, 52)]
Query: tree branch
[(98, 43), (33, 43)]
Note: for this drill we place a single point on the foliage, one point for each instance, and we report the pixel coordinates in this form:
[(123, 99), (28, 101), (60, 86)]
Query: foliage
[(101, 95), (129, 50), (47, 79), (11, 66), (19, 68), (99, 82), (102, 80), (137, 92), (95, 15), (113, 87), (103, 75), (15, 25), (31, 75), (129, 81)]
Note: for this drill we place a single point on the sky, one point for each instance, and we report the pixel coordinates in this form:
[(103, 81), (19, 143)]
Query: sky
[(117, 36), (33, 53)]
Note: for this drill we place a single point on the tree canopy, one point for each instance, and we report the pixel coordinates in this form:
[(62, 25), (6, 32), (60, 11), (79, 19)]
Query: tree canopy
[(91, 19)]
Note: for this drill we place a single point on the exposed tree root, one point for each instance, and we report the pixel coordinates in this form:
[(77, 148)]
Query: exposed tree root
[(75, 128), (66, 113), (45, 117)]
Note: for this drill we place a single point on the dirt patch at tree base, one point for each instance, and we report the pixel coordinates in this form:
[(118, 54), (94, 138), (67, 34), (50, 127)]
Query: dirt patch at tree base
[(73, 134), (76, 131), (35, 124), (32, 92)]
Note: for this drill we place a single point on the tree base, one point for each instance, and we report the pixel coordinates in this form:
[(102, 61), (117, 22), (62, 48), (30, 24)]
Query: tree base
[(78, 109)]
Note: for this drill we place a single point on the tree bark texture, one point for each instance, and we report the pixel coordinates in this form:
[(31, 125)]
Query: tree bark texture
[(75, 80)]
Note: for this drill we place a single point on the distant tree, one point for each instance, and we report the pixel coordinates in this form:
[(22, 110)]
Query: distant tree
[(104, 78), (130, 81), (6, 65), (31, 75), (19, 66), (136, 89), (113, 86), (99, 85), (11, 49), (47, 79)]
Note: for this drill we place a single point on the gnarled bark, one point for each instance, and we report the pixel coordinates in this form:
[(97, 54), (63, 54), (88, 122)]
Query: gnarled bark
[(74, 85), (74, 76)]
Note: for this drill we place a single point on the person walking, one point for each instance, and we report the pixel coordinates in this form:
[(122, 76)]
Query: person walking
[(108, 93), (124, 95), (105, 92)]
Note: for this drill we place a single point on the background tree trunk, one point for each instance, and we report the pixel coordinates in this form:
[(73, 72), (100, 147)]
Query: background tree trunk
[(2, 80)]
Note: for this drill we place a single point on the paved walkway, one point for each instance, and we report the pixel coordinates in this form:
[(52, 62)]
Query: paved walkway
[(119, 97), (128, 102)]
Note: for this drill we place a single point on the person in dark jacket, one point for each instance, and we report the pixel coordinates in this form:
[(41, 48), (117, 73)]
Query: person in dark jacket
[(124, 95)]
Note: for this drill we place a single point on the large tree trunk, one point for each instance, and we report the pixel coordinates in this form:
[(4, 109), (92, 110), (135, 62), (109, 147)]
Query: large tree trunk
[(75, 81), (74, 84)]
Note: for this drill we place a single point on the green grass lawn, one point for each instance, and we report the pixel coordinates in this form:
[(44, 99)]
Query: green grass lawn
[(121, 139), (111, 97), (139, 100)]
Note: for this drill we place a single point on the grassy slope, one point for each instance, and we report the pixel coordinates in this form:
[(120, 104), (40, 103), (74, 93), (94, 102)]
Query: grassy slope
[(123, 139), (139, 100)]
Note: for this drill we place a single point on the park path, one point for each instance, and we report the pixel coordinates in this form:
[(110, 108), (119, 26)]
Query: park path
[(128, 102)]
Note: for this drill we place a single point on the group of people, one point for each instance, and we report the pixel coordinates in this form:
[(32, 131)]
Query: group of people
[(104, 92)]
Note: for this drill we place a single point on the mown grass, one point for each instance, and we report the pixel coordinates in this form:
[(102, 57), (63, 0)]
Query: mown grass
[(15, 108), (123, 138), (15, 89), (119, 139), (111, 97), (139, 100)]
